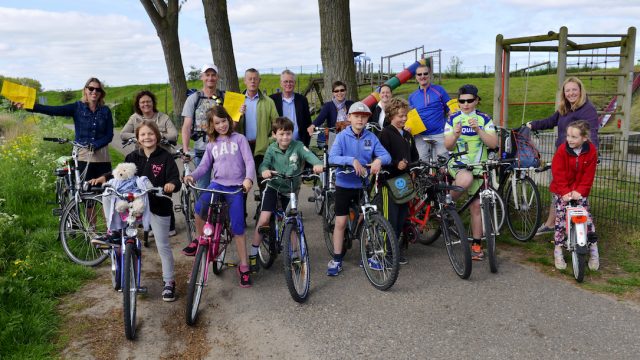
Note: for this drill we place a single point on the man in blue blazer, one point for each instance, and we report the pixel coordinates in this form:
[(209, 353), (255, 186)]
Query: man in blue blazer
[(293, 106)]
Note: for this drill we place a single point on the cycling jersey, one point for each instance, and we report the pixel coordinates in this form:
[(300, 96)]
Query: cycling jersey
[(477, 150)]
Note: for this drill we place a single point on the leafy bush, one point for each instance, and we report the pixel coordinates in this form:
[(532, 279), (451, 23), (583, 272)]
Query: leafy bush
[(67, 95), (122, 112)]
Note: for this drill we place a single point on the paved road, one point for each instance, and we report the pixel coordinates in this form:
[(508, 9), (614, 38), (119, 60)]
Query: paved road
[(429, 313)]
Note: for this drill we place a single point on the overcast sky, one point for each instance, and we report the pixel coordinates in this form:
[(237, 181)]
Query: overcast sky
[(63, 42)]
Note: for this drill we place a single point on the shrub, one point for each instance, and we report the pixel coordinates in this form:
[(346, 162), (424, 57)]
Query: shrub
[(122, 111)]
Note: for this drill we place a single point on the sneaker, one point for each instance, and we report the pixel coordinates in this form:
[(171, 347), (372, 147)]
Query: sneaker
[(559, 259), (150, 233), (594, 258), (254, 266), (374, 264), (169, 291), (544, 229), (476, 252), (245, 278), (172, 233), (402, 260), (190, 250), (334, 268)]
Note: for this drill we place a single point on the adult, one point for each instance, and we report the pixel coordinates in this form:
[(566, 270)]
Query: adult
[(194, 113), (431, 103), (378, 115), (93, 125), (334, 111), (293, 106), (145, 109), (574, 105)]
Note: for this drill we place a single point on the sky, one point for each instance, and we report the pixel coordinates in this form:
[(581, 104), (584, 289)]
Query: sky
[(62, 43)]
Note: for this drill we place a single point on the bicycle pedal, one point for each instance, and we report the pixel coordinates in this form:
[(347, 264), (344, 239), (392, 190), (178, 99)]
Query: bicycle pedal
[(230, 264), (311, 199), (142, 290), (177, 208), (56, 212)]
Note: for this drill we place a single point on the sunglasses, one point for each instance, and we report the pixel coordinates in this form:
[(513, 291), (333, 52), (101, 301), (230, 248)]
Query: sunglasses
[(466, 101), (422, 74), (339, 90), (92, 89)]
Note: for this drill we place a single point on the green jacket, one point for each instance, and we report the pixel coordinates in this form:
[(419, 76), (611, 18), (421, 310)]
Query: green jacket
[(289, 162), (267, 113)]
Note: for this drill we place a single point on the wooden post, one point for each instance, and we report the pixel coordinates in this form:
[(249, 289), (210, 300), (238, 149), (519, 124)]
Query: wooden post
[(562, 61), (625, 85), (497, 84), (505, 96)]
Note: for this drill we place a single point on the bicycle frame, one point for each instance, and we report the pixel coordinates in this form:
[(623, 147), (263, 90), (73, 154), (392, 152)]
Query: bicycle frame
[(576, 219), (486, 192)]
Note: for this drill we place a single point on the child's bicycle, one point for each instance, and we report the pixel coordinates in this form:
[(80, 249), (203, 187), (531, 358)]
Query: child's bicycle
[(126, 266), (286, 232), (577, 244), (212, 248)]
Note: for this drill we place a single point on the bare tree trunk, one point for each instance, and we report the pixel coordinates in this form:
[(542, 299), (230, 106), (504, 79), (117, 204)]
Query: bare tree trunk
[(336, 47), (164, 16), (217, 19)]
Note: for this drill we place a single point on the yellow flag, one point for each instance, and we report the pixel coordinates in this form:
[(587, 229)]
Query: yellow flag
[(232, 103), (19, 93), (414, 122)]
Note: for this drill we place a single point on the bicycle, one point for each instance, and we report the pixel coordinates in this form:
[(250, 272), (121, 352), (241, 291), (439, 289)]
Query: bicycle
[(188, 197), (286, 232), (212, 248), (577, 243), (126, 266), (80, 211), (378, 241)]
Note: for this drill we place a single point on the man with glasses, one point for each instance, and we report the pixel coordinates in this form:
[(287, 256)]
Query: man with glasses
[(431, 103), (293, 106)]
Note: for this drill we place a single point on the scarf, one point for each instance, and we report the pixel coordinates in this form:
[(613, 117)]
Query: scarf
[(342, 109)]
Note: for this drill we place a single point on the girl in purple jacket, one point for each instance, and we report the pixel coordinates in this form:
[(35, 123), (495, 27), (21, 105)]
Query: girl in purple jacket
[(228, 157)]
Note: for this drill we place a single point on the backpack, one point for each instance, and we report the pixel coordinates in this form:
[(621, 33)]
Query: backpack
[(518, 145), (219, 94)]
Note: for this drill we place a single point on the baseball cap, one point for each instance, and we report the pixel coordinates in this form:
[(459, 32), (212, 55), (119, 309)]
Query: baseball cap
[(359, 108), (468, 89), (206, 67)]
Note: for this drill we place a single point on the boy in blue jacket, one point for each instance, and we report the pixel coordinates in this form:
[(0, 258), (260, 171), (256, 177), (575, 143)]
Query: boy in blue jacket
[(357, 147)]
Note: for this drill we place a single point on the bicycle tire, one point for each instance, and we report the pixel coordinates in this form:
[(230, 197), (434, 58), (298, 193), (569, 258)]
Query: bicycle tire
[(456, 242), (188, 200), (317, 195), (129, 291), (578, 261), (378, 242), (62, 193), (195, 288), (431, 231), (328, 221), (78, 226), (524, 222), (218, 261), (296, 263), (116, 268), (490, 236), (267, 251)]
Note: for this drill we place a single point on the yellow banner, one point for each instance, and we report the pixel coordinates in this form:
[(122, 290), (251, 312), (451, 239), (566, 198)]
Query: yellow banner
[(19, 94), (232, 103), (414, 122)]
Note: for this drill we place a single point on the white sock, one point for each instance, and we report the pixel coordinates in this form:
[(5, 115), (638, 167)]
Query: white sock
[(254, 250)]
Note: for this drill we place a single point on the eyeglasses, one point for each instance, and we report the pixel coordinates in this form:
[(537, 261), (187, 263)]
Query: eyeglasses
[(422, 74), (92, 89), (339, 90), (288, 82), (466, 101)]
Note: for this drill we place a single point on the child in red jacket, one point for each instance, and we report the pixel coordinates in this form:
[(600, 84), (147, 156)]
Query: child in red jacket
[(574, 168)]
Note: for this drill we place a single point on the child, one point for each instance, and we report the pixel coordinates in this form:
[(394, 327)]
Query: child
[(573, 169), (402, 148), (158, 165), (228, 157), (285, 156), (354, 146)]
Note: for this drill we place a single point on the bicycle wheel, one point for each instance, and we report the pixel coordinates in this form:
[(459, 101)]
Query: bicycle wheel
[(62, 193), (296, 263), (218, 261), (379, 252), (578, 261), (490, 236), (431, 231), (524, 210), (457, 243), (130, 291), (267, 251), (79, 223), (317, 196), (196, 284), (328, 221), (114, 257), (500, 209), (188, 201)]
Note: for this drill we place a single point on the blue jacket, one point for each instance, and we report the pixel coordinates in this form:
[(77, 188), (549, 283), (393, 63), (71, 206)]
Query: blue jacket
[(432, 107), (348, 146)]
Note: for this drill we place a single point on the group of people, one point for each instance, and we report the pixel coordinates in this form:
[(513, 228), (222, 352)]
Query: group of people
[(228, 155)]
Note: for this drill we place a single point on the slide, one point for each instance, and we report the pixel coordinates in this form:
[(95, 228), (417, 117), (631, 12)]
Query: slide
[(399, 79), (604, 118)]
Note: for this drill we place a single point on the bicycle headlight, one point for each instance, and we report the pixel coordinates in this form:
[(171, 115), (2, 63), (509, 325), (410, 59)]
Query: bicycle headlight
[(131, 232), (208, 229)]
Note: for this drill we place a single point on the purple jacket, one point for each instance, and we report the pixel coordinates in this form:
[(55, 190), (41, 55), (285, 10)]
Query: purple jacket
[(229, 159), (586, 112)]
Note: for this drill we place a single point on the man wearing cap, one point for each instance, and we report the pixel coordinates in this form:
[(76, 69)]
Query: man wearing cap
[(294, 106), (357, 147), (474, 132), (195, 115), (431, 103)]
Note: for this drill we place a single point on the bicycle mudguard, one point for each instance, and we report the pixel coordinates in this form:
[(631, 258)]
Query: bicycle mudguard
[(447, 187)]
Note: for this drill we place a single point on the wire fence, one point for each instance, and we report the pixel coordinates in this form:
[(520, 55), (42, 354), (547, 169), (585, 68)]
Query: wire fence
[(615, 195)]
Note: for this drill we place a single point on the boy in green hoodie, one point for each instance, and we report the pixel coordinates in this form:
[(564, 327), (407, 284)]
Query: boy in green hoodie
[(285, 156)]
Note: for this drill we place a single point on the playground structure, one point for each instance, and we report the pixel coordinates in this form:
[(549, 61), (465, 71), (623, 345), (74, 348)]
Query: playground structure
[(619, 105), (385, 71)]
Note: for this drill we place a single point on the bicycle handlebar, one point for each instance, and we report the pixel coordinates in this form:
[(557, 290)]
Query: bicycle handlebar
[(157, 191), (213, 190), (67, 141)]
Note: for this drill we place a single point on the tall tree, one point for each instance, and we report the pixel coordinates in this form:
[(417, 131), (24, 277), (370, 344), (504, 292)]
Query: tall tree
[(336, 48), (164, 16), (217, 20)]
